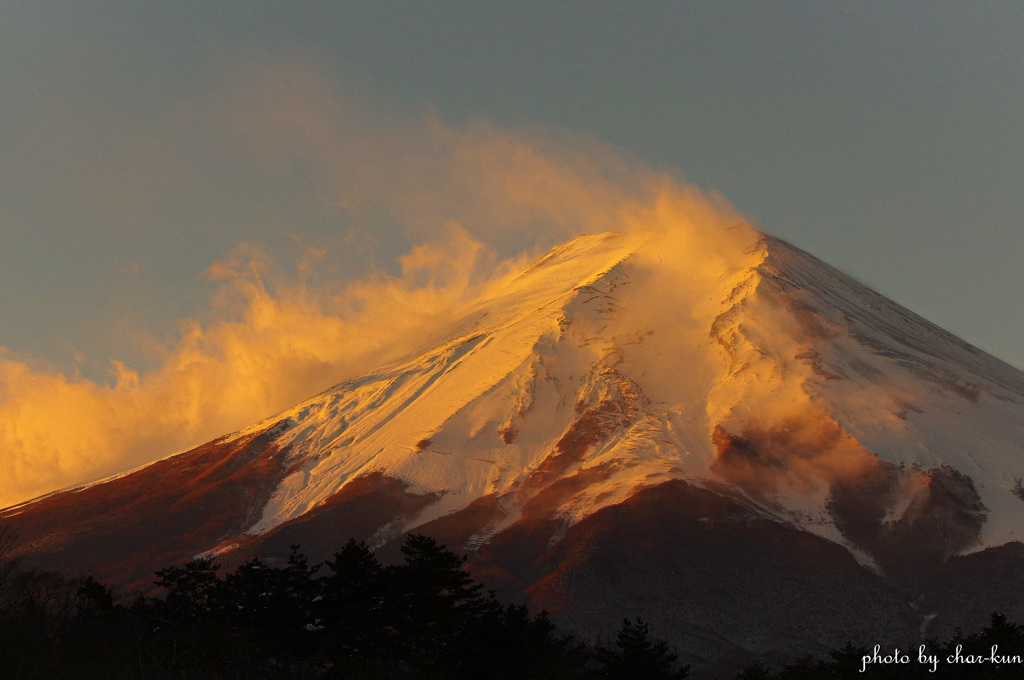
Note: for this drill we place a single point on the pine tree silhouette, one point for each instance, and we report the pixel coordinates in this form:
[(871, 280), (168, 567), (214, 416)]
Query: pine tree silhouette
[(635, 655)]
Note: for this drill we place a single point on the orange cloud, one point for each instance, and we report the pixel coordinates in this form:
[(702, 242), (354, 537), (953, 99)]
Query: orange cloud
[(467, 205), (269, 342)]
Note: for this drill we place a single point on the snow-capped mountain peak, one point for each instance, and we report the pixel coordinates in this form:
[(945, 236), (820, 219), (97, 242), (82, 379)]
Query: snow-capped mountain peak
[(708, 427), (619, 361)]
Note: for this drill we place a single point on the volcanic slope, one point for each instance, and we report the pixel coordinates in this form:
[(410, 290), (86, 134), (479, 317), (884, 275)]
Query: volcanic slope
[(693, 425), (617, 363)]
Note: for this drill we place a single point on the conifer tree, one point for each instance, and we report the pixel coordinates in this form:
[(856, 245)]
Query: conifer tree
[(190, 587), (353, 605), (635, 655), (437, 608)]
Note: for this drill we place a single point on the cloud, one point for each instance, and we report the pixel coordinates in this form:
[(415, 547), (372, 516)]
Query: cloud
[(408, 174), (267, 342), (434, 213)]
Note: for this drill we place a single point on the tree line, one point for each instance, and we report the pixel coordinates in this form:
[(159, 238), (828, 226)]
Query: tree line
[(354, 618), (425, 618)]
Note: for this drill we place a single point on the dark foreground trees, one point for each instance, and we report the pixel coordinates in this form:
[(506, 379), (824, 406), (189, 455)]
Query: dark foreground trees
[(353, 618), (423, 618), (349, 618), (636, 655)]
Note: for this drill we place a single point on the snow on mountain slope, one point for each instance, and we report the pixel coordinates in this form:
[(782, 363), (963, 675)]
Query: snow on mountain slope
[(891, 422), (733, 361), (706, 427)]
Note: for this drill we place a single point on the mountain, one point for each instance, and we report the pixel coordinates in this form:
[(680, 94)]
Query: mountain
[(710, 429)]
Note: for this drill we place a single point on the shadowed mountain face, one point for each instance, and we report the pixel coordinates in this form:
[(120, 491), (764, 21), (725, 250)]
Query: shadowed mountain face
[(718, 433), (167, 512)]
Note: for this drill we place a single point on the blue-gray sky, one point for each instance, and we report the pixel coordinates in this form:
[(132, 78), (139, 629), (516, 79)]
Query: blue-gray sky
[(887, 138), (142, 143)]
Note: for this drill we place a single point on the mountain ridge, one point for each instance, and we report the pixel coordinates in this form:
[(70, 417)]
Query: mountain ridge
[(755, 394), (550, 315)]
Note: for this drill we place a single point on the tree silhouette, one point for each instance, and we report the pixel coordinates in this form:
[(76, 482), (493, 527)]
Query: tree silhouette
[(635, 655), (190, 587)]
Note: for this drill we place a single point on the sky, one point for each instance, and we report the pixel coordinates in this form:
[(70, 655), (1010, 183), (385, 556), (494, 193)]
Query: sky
[(212, 210)]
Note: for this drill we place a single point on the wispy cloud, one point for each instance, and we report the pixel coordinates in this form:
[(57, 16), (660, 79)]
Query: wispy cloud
[(267, 342), (442, 209)]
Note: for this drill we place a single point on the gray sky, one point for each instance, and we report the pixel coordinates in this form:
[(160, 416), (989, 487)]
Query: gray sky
[(887, 138)]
